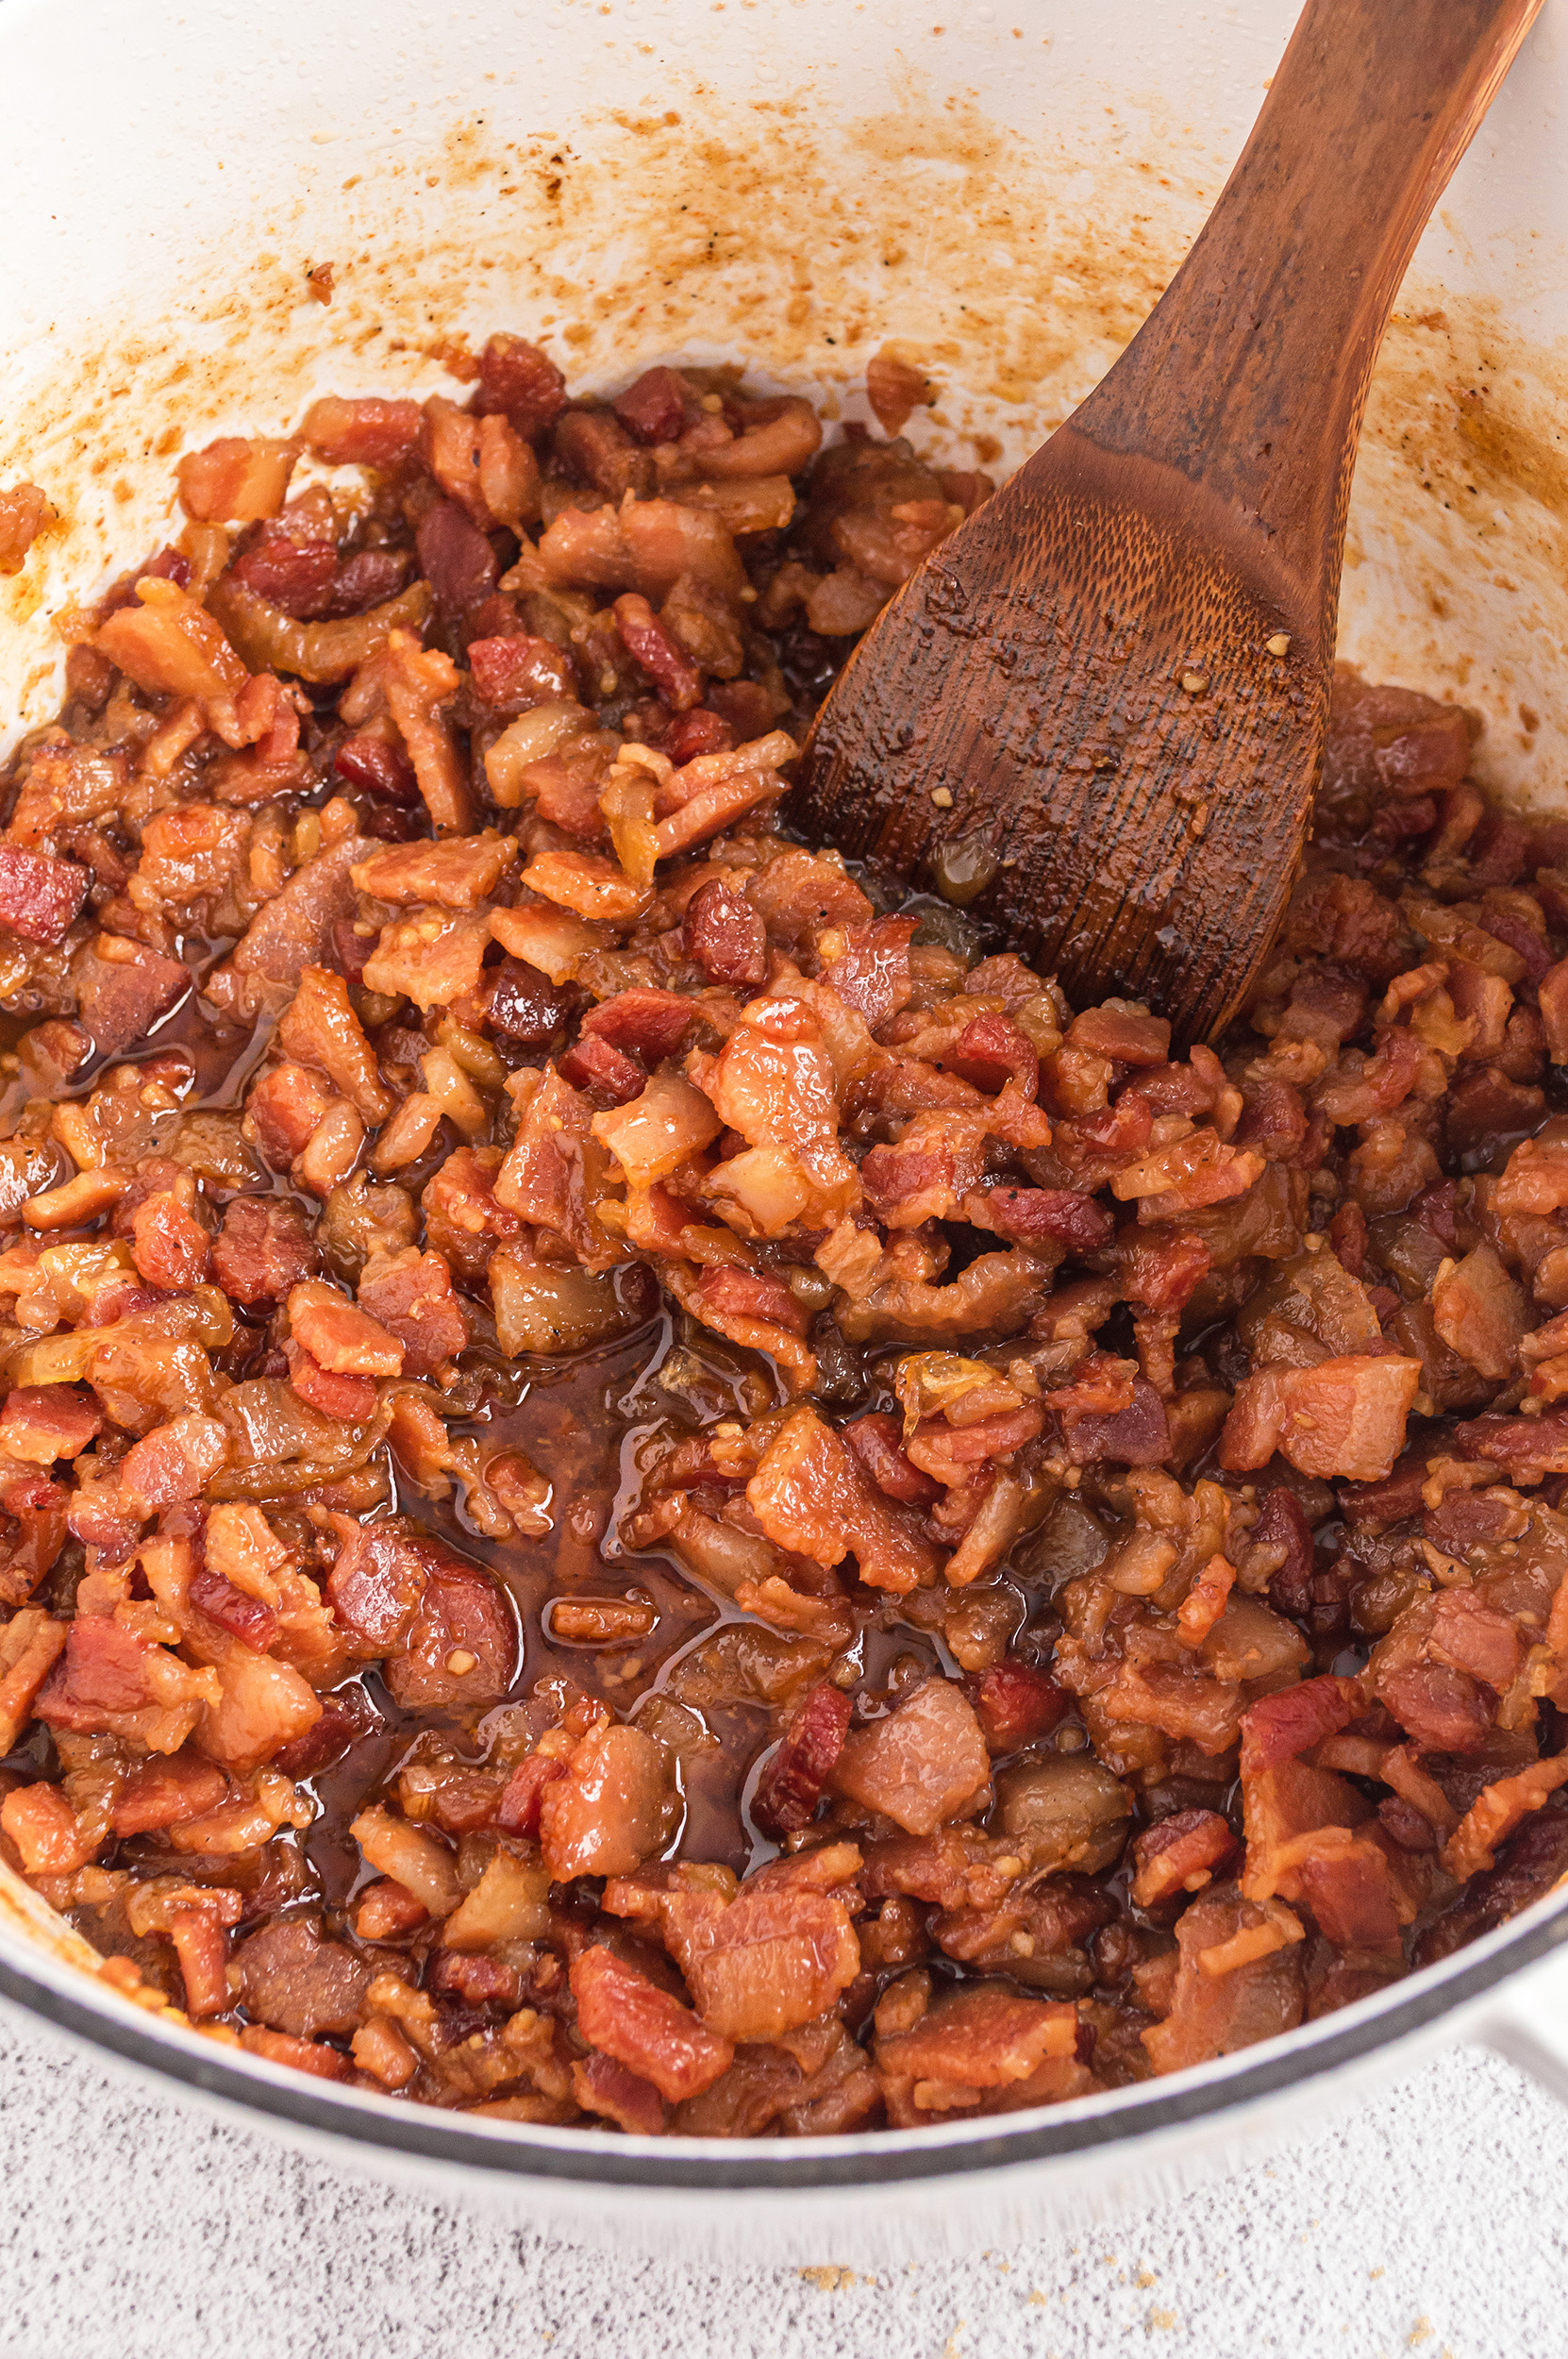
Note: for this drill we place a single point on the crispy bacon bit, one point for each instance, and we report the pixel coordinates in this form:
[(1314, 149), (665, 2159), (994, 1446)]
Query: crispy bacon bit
[(1017, 1705), (923, 1764), (39, 896), (263, 1250), (623, 2014), (1180, 1854), (1344, 1417), (1282, 1726), (22, 510), (791, 1785)]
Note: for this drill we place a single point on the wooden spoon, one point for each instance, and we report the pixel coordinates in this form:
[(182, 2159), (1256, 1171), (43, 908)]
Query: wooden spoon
[(1097, 712)]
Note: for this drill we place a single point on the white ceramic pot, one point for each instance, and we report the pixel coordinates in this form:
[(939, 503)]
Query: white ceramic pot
[(795, 182)]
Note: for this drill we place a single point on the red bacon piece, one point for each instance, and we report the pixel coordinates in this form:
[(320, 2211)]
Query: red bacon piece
[(699, 731), (875, 1440), (668, 666), (1016, 1704), (245, 1618), (726, 936), (791, 1785), (992, 1050), (1180, 1854), (653, 407), (1279, 1727), (39, 896), (380, 768), (517, 382), (1031, 1215), (649, 1024), (594, 1064), (517, 1812), (752, 1295), (513, 673)]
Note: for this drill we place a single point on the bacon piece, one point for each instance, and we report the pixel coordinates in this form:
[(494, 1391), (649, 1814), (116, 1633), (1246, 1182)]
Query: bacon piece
[(107, 1675), (365, 433), (628, 2018), (299, 1983), (875, 1441), (1283, 1526), (169, 1245), (161, 1794), (1343, 1417), (122, 988), (409, 1295), (31, 1642), (810, 1493), (1281, 1726), (1125, 1424), (1225, 2001), (609, 1812), (461, 1646), (980, 2038), (653, 407), (1036, 1214), (174, 1461), (264, 1249), (518, 1810), (245, 1617), (678, 681), (511, 675), (605, 2087), (1180, 1854), (992, 1050), (775, 1958), (42, 1422), (1494, 1814), (791, 1785), (46, 1830), (376, 1582), (924, 1764), (22, 510), (593, 1063), (519, 382), (39, 896), (725, 936), (1017, 1705)]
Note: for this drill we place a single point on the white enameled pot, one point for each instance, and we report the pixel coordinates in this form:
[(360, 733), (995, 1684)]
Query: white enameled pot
[(1002, 191)]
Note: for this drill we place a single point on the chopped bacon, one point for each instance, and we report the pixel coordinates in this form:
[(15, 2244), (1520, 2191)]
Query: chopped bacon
[(512, 674), (810, 1495), (924, 1764), (174, 1462), (39, 895), (1343, 1417), (161, 1794), (42, 1422), (264, 1249), (791, 1785), (1016, 1704), (991, 1051), (1281, 1726), (1180, 1854), (365, 433), (1036, 1214), (625, 2015), (875, 1440)]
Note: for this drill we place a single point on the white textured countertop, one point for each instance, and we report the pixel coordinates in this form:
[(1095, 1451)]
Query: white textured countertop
[(135, 2228)]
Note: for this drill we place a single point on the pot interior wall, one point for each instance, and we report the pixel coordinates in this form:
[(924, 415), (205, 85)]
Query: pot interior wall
[(795, 185)]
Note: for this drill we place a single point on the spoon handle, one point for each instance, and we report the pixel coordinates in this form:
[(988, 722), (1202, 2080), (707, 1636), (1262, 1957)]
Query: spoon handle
[(1251, 374)]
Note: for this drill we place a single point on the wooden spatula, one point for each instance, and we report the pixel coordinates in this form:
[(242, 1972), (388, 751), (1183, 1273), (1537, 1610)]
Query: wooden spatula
[(1097, 712)]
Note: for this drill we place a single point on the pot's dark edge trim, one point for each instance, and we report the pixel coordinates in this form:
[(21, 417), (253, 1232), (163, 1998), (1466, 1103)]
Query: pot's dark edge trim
[(423, 2134)]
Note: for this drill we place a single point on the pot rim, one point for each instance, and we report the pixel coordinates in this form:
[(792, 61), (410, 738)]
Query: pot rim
[(63, 1995)]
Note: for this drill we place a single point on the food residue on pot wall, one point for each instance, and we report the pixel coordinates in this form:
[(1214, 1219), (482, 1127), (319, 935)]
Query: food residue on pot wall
[(705, 227)]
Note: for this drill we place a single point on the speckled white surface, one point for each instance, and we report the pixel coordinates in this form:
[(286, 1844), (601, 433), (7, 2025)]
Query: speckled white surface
[(132, 2228)]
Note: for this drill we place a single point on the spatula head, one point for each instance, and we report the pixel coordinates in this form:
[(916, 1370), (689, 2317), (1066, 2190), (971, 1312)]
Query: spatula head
[(1095, 717)]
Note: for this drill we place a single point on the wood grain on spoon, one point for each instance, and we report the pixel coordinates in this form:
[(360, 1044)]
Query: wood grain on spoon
[(1097, 712)]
